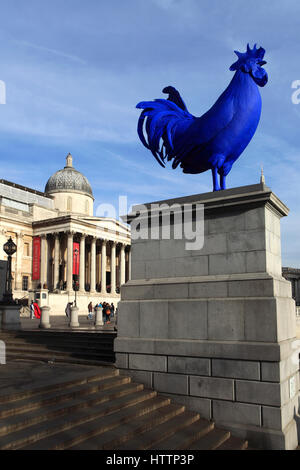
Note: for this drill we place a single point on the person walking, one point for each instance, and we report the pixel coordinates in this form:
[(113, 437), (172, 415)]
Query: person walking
[(68, 309), (32, 310), (90, 310), (112, 309)]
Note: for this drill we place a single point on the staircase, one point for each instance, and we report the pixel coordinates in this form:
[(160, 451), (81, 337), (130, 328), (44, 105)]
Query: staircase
[(103, 410), (88, 348)]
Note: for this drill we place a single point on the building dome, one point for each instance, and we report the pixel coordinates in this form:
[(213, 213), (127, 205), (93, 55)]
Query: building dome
[(68, 180)]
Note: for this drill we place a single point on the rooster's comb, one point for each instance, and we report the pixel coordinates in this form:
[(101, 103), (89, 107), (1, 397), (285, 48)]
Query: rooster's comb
[(243, 57)]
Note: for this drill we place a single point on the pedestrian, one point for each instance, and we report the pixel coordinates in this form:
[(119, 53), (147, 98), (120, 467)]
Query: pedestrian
[(107, 313), (112, 309), (32, 310), (90, 310), (68, 309)]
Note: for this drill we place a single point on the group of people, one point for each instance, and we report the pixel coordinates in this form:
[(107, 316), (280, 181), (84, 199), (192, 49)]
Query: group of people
[(108, 311)]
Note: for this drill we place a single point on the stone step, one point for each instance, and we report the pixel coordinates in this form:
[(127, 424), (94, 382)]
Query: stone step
[(19, 422), (104, 373), (142, 425), (81, 428), (67, 358), (233, 443), (28, 404), (151, 438), (108, 350), (72, 335), (184, 438), (59, 341), (211, 441)]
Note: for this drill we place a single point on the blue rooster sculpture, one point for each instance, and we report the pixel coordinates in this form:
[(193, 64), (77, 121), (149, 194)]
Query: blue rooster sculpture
[(215, 140)]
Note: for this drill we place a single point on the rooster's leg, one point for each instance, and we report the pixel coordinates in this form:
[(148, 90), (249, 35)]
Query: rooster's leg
[(222, 181), (215, 179)]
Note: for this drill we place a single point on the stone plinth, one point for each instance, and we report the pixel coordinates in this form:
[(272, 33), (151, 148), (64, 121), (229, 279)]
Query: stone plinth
[(74, 323), (10, 317), (215, 328), (45, 318)]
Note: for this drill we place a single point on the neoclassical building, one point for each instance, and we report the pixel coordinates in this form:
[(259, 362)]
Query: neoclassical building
[(61, 245)]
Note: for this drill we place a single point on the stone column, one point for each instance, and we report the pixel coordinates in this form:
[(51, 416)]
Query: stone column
[(93, 265), (103, 267), (122, 265), (82, 263), (44, 259), (18, 261), (113, 268), (70, 262), (129, 263), (56, 261)]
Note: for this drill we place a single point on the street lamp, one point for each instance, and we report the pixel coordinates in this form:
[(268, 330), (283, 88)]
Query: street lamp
[(76, 286), (9, 248)]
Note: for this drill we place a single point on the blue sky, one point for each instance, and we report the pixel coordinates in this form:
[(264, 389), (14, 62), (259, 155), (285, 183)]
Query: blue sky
[(75, 70)]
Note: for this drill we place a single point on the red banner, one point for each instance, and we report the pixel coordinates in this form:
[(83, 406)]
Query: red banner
[(36, 258), (75, 258)]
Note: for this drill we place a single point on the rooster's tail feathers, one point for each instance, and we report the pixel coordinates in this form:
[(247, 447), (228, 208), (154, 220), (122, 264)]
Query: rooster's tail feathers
[(162, 118)]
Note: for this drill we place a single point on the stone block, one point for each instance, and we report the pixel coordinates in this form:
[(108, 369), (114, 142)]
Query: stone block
[(262, 393), (279, 417), (226, 320), (213, 244), (187, 319), (154, 319), (255, 218), (231, 263), (286, 318), (210, 387), (251, 288), (138, 270), (279, 371), (236, 369), (282, 288), (227, 222), (189, 365), (121, 361), (256, 262), (129, 318), (157, 269), (171, 291), (233, 412), (246, 241), (137, 292), (207, 289), (170, 249), (191, 266), (260, 320), (171, 383), (148, 362), (148, 250)]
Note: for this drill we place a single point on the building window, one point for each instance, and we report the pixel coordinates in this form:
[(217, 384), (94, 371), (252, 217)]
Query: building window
[(26, 249), (25, 283)]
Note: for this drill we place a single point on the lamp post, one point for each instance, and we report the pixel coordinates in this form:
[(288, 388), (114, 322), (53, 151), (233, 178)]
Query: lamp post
[(76, 286), (9, 248)]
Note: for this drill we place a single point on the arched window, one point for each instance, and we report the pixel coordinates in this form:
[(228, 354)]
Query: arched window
[(69, 204)]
